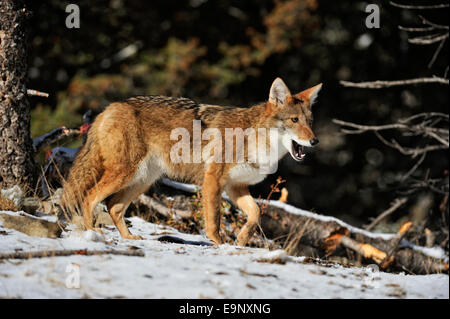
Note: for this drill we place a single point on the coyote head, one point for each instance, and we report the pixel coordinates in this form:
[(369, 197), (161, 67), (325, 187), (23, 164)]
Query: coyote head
[(292, 115)]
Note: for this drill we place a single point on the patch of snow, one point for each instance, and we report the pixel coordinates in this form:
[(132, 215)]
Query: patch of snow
[(436, 251), (86, 236), (190, 188), (171, 270)]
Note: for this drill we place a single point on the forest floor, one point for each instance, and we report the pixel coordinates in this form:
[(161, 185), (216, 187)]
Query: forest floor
[(192, 269)]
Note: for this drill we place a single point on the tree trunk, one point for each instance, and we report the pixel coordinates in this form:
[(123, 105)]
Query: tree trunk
[(17, 166)]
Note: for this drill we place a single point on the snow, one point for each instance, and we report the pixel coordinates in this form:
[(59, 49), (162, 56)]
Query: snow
[(171, 270)]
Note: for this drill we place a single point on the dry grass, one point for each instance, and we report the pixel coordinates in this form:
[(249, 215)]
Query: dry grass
[(294, 237), (7, 204)]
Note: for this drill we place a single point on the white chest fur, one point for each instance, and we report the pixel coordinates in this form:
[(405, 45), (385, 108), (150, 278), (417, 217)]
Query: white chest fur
[(266, 163), (246, 174)]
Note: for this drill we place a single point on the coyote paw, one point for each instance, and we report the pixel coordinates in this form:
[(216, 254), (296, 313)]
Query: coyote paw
[(215, 238), (133, 237), (246, 233)]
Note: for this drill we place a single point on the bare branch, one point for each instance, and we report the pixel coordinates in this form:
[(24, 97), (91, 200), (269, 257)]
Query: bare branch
[(37, 93), (428, 39), (425, 115), (394, 206), (436, 53), (432, 24), (425, 128), (413, 152), (69, 252), (416, 29), (416, 129), (418, 7), (386, 84), (364, 128), (414, 168), (55, 136)]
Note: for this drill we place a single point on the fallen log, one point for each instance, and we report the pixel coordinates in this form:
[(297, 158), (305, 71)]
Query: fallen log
[(57, 135), (304, 233)]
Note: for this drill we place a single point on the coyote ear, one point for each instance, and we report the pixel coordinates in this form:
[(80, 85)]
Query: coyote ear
[(279, 92), (310, 94)]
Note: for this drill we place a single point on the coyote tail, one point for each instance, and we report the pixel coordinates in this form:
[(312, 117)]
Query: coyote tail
[(84, 174)]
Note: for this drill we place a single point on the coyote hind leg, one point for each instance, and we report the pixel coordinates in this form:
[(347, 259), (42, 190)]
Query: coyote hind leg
[(118, 205), (106, 186)]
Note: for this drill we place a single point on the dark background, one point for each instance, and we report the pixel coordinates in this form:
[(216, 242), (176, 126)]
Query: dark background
[(229, 52)]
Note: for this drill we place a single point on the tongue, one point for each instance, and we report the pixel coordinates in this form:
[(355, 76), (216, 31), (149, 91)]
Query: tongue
[(298, 151)]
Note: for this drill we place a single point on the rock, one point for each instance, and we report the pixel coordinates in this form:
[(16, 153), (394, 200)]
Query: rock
[(78, 221), (55, 198), (31, 226), (15, 194), (100, 220), (103, 219), (31, 205), (51, 205)]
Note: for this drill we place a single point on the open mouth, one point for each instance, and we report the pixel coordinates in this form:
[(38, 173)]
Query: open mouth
[(297, 151)]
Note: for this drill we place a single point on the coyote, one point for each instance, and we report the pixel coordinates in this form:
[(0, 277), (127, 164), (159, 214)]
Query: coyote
[(129, 145)]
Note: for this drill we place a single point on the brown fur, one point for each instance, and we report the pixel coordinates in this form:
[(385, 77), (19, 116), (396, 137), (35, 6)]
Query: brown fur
[(128, 148)]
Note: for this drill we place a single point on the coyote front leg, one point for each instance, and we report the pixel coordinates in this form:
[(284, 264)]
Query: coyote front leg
[(212, 191), (240, 195)]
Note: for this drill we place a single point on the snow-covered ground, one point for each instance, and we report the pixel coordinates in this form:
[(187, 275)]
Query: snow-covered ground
[(171, 270)]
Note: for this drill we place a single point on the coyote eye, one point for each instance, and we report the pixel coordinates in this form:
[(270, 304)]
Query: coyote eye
[(294, 119), (298, 100)]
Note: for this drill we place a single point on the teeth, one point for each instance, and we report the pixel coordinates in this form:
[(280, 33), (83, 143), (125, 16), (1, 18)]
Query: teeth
[(297, 151)]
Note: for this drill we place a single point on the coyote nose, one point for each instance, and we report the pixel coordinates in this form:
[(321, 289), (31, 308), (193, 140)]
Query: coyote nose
[(314, 141)]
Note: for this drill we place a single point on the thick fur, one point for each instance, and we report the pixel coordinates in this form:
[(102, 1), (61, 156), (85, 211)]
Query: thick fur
[(128, 149)]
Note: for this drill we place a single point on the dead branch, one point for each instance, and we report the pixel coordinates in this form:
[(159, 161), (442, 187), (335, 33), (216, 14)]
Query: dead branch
[(366, 250), (161, 208), (436, 36), (406, 126), (429, 39), (415, 29), (419, 7), (432, 24), (394, 206), (414, 168), (37, 93), (69, 252), (387, 261), (429, 237), (386, 84), (57, 135), (413, 152)]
